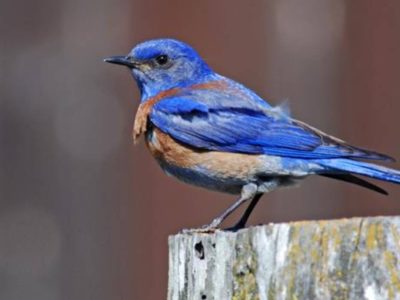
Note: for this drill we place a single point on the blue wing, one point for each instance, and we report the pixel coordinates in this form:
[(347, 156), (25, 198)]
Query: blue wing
[(233, 125)]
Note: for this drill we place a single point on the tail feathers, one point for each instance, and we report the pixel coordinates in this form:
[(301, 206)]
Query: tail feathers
[(361, 168), (357, 181)]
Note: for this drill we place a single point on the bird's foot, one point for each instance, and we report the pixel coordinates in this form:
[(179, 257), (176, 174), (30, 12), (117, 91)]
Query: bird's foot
[(209, 228), (236, 227)]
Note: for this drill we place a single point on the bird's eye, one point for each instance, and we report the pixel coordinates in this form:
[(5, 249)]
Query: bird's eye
[(162, 60)]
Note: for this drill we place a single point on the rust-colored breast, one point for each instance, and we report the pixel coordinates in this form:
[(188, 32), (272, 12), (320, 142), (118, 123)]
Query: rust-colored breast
[(140, 124), (222, 164), (142, 115), (164, 148)]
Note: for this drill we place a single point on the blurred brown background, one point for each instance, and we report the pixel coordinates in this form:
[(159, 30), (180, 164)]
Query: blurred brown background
[(83, 213)]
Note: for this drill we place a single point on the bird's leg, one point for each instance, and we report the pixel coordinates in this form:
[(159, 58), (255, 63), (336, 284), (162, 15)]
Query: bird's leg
[(243, 220), (248, 193), (265, 187)]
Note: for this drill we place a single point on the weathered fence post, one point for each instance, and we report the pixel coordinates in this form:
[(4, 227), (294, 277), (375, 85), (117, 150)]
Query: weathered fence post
[(339, 259)]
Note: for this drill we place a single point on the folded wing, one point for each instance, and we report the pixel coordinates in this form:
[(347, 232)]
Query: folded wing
[(248, 129)]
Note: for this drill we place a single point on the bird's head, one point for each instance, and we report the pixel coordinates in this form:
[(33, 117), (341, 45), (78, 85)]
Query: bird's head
[(162, 64)]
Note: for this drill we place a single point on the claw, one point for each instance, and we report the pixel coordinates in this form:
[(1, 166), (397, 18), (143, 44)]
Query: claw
[(209, 228), (199, 230)]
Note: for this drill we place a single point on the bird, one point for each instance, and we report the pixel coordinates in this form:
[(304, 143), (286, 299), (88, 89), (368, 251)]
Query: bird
[(213, 132)]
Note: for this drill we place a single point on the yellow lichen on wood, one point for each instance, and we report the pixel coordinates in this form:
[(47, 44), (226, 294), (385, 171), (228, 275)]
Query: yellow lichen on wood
[(371, 237), (244, 269)]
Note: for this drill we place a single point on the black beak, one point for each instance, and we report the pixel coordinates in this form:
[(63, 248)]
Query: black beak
[(121, 60)]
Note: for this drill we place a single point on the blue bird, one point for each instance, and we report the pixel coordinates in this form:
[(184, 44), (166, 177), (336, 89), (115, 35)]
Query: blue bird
[(210, 131)]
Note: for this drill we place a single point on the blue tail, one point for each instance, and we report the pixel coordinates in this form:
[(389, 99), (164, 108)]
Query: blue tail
[(342, 165)]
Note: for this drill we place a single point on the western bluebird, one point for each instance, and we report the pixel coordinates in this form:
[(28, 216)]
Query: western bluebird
[(210, 131)]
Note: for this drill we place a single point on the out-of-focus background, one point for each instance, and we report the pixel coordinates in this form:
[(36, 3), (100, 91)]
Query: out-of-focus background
[(86, 215)]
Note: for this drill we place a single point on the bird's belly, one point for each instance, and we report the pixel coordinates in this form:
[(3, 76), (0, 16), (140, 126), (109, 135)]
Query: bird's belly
[(221, 171), (202, 178)]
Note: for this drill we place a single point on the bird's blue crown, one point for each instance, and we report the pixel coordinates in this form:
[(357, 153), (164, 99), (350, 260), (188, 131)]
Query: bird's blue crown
[(162, 64)]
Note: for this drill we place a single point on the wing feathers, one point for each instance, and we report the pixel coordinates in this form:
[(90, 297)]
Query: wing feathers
[(247, 129)]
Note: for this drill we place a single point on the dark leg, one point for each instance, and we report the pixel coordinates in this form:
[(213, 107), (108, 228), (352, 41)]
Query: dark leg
[(248, 193), (267, 186), (243, 220)]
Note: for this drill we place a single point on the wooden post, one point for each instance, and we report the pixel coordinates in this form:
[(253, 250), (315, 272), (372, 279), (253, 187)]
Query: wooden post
[(355, 258)]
